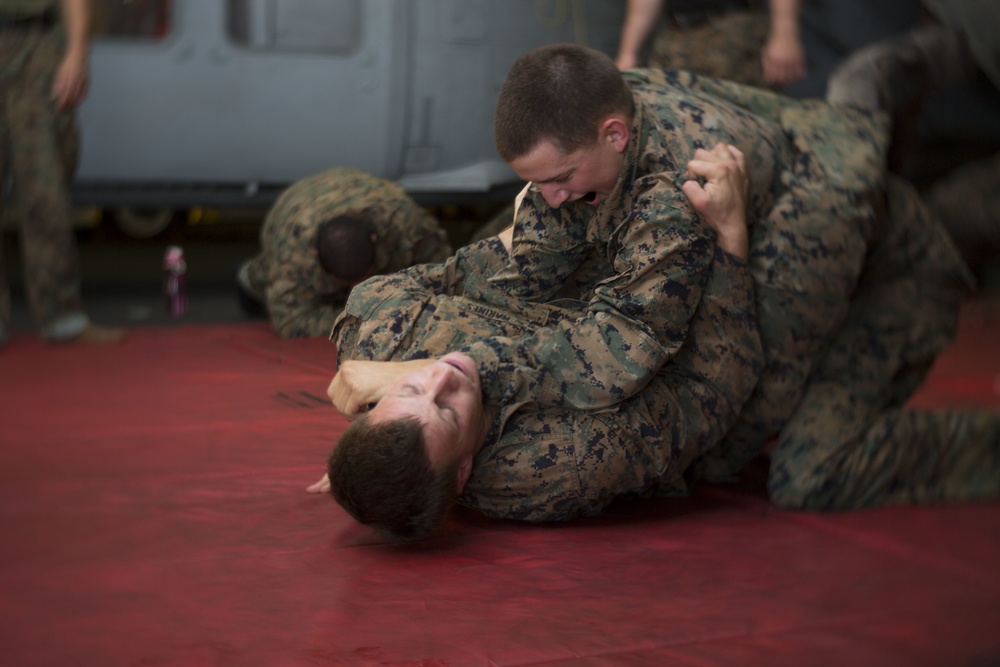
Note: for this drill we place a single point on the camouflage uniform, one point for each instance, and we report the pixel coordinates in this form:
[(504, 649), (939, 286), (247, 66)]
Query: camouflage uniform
[(562, 462), (38, 151), (712, 38), (842, 349), (301, 298)]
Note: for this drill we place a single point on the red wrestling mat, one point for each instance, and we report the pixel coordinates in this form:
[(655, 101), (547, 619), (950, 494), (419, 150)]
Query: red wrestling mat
[(153, 514)]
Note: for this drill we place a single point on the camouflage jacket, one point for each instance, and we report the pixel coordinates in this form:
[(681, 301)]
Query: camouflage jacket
[(640, 259), (301, 298), (559, 463)]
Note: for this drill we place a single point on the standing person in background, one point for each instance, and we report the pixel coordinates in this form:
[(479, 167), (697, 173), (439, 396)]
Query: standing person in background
[(44, 47), (781, 44), (717, 38), (809, 38), (784, 59), (726, 39), (325, 234)]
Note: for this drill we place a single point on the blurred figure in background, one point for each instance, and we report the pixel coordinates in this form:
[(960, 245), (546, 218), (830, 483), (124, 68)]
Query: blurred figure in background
[(325, 234), (809, 38), (959, 46), (44, 51), (781, 44), (718, 38), (726, 39)]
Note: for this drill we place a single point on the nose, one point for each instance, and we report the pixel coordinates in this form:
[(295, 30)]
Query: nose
[(439, 381), (554, 196)]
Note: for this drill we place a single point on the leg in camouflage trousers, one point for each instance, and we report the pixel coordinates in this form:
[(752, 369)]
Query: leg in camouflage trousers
[(34, 136), (851, 444)]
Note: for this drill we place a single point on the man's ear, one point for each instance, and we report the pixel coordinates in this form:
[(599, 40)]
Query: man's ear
[(615, 130)]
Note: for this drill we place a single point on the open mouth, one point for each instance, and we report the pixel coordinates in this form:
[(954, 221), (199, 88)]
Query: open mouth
[(590, 197)]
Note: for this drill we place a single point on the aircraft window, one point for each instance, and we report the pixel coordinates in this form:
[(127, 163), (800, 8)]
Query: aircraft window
[(330, 26), (131, 19)]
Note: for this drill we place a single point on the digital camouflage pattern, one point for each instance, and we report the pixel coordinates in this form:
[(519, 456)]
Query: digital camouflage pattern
[(842, 349), (561, 463), (850, 443), (38, 151), (301, 298), (721, 44), (639, 259)]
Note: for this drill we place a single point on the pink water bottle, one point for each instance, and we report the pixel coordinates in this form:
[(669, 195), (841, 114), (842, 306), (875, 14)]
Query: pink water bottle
[(174, 288)]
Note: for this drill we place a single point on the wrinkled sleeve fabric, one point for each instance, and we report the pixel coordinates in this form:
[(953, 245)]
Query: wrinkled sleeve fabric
[(634, 321)]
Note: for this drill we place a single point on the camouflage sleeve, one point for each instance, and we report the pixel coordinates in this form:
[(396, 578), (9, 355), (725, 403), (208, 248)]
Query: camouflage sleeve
[(635, 321), (379, 322), (724, 349), (548, 245), (560, 463), (298, 311), (394, 317)]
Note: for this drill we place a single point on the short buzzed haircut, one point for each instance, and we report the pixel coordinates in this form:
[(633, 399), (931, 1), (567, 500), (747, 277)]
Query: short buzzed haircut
[(381, 474), (344, 247), (558, 93)]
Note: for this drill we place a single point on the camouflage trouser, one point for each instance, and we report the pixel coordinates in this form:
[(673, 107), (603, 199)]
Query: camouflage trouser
[(727, 46), (38, 151), (850, 443)]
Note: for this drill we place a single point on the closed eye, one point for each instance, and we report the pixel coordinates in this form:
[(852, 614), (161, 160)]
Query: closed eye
[(452, 413), (561, 178)]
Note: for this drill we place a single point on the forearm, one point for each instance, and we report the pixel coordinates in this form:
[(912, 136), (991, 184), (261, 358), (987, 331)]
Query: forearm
[(726, 351), (785, 18), (640, 18), (76, 15), (697, 400)]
